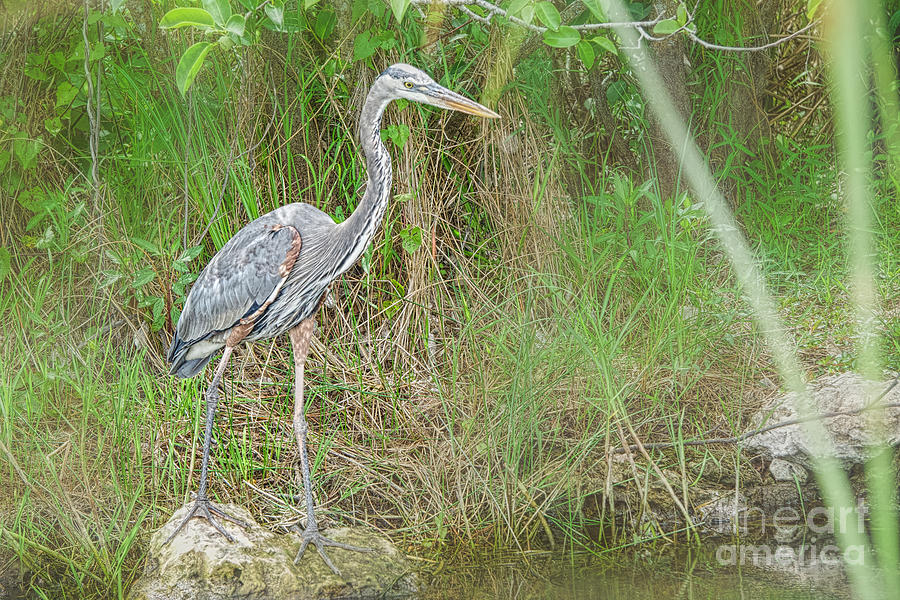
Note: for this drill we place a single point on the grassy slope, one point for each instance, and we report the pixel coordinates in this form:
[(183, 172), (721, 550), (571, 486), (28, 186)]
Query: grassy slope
[(468, 395)]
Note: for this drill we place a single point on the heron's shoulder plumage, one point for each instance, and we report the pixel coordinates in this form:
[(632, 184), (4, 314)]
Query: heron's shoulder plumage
[(241, 277)]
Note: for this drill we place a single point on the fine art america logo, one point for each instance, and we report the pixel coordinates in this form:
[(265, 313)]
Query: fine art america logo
[(793, 531)]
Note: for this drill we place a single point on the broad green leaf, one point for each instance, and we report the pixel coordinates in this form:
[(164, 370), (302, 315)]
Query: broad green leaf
[(236, 25), (26, 150), (57, 60), (184, 17), (596, 9), (563, 38), (225, 41), (143, 277), (528, 13), (275, 12), (53, 125), (547, 14), (411, 238), (4, 159), (65, 93), (666, 27), (605, 43), (4, 263), (515, 7), (115, 5), (399, 8), (191, 253), (811, 7), (190, 64), (219, 9), (364, 46), (146, 245), (586, 54), (308, 4), (681, 15), (325, 22)]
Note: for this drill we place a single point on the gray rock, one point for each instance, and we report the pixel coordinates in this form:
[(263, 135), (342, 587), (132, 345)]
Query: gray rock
[(200, 564), (785, 470), (851, 433), (723, 511)]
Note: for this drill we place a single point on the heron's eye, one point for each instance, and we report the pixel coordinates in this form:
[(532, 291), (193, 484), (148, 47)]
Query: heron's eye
[(408, 84)]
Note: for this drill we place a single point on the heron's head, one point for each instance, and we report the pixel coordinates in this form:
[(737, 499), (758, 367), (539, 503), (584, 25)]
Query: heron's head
[(405, 81)]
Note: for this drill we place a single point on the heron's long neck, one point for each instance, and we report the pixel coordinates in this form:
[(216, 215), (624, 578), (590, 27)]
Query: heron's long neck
[(360, 227)]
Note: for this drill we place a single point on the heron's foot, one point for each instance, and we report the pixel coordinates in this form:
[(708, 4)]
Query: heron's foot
[(312, 535), (209, 511)]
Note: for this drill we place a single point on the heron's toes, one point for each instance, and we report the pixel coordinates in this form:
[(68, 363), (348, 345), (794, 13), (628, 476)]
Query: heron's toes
[(205, 509), (313, 536)]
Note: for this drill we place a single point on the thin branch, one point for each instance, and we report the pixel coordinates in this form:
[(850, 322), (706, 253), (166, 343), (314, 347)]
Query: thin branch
[(641, 26), (693, 36), (874, 405)]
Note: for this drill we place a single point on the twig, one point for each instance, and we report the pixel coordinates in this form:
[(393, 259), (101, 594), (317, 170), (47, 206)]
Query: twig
[(777, 42), (874, 405), (641, 26)]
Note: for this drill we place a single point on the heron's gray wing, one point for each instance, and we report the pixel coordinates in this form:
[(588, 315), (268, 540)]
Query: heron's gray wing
[(237, 285)]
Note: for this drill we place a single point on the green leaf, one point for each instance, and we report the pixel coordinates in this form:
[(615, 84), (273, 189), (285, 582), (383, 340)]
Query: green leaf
[(185, 17), (605, 43), (399, 8), (53, 125), (411, 238), (275, 12), (4, 159), (565, 37), (115, 5), (528, 13), (26, 150), (143, 277), (65, 93), (236, 25), (811, 7), (146, 245), (191, 253), (364, 46), (4, 263), (325, 23), (596, 9), (515, 7), (666, 27), (547, 14), (219, 9), (586, 54), (398, 134), (190, 64), (681, 15)]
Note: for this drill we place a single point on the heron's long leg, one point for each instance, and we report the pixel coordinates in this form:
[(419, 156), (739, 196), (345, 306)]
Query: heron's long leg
[(202, 506), (301, 335)]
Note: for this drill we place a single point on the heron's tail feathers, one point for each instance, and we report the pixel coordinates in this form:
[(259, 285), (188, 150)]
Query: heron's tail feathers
[(189, 359)]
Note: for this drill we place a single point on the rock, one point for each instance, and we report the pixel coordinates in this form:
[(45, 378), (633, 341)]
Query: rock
[(784, 470), (200, 564), (723, 511), (851, 433)]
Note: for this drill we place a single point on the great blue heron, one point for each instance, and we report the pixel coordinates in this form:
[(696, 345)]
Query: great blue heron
[(271, 277)]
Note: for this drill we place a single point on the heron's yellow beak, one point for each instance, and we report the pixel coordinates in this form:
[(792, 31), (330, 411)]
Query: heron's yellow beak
[(444, 98)]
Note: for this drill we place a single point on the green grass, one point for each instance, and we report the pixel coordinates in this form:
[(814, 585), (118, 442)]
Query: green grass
[(459, 401)]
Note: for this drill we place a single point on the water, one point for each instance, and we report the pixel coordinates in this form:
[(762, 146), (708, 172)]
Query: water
[(640, 575)]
